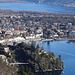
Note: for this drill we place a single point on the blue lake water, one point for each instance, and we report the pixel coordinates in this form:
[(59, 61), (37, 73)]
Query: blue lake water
[(37, 7), (66, 50)]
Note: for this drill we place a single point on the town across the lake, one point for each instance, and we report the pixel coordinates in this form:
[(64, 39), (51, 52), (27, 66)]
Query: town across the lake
[(35, 26)]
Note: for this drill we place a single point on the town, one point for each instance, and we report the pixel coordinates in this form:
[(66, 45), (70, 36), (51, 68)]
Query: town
[(16, 26)]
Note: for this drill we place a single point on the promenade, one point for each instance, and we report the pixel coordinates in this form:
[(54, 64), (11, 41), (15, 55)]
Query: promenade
[(40, 40)]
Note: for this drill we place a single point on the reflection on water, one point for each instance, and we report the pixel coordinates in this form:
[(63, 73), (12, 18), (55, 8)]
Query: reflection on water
[(71, 41), (49, 73)]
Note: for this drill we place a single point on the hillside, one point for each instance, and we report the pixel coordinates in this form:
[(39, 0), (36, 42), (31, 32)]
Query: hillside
[(38, 60), (55, 2), (51, 1), (46, 1), (6, 69)]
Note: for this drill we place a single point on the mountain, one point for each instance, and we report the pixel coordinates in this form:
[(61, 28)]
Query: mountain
[(55, 2), (45, 1), (50, 1)]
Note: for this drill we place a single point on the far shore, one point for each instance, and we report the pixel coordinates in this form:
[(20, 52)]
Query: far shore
[(67, 5)]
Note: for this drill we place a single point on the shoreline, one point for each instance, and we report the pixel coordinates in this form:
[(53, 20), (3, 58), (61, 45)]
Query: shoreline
[(37, 40), (48, 70), (62, 39), (56, 39)]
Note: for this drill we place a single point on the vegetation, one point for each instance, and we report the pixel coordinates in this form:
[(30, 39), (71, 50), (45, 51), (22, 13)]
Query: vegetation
[(38, 60)]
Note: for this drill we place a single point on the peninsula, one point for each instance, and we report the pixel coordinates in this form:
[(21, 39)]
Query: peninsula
[(28, 59)]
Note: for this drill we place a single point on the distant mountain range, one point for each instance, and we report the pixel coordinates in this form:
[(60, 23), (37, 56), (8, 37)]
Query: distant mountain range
[(51, 1), (55, 2)]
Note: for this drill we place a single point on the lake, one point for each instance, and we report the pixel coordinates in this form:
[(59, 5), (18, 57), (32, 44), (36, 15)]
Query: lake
[(37, 7), (67, 50)]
